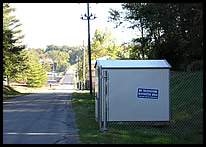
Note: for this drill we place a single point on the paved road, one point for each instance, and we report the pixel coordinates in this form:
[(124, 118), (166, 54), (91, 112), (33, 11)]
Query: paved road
[(41, 118)]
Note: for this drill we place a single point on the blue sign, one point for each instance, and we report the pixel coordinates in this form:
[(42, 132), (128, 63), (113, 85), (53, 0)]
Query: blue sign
[(147, 93)]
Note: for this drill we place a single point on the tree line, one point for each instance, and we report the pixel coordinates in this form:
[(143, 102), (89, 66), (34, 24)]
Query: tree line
[(171, 31), (21, 64), (18, 63)]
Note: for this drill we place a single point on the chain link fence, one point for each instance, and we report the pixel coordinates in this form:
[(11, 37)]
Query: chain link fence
[(186, 113)]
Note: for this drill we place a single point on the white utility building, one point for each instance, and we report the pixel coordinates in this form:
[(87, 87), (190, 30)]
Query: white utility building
[(132, 90)]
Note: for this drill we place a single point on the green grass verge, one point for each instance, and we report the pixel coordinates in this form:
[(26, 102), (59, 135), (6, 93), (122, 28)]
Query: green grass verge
[(186, 126), (89, 132), (9, 92)]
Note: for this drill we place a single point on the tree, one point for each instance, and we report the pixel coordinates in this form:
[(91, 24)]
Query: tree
[(104, 45), (52, 47), (73, 51), (171, 31), (48, 67), (52, 54), (40, 50), (11, 41), (21, 67), (36, 75), (30, 70), (62, 61)]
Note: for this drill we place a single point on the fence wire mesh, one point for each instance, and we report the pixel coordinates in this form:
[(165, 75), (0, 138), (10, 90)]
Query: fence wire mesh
[(186, 113)]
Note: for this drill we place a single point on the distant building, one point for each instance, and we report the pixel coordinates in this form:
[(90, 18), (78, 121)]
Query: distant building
[(46, 59)]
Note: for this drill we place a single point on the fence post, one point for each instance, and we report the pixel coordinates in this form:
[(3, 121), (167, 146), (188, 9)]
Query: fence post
[(105, 101), (100, 99)]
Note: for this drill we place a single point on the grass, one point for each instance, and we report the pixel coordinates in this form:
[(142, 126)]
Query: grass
[(27, 89), (186, 126), (16, 91), (10, 92)]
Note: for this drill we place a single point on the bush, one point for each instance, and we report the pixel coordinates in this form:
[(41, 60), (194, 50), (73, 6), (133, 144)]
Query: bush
[(195, 66)]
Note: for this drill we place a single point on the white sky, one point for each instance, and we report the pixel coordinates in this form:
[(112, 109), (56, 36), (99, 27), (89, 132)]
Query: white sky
[(60, 24)]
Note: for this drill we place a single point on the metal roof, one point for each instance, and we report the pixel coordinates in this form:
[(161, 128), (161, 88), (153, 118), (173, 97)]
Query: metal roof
[(133, 64)]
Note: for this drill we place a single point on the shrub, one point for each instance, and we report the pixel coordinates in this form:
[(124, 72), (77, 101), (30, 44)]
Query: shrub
[(195, 66)]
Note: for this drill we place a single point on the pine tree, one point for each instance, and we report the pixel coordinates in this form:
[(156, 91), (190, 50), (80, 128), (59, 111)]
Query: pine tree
[(11, 40), (22, 67), (30, 70), (36, 75)]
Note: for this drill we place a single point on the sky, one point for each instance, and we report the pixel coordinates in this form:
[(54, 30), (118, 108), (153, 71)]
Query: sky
[(60, 24)]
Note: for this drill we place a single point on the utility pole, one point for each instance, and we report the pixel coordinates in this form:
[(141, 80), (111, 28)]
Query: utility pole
[(83, 66), (89, 17)]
